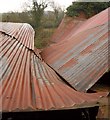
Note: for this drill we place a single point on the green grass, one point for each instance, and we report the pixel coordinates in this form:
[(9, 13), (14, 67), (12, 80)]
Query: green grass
[(43, 36)]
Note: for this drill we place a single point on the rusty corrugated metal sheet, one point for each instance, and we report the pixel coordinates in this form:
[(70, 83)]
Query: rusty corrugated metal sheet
[(68, 25), (21, 32), (82, 57), (29, 84)]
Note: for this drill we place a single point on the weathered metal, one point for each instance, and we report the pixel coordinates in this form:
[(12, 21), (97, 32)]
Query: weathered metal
[(27, 82), (68, 25), (23, 32), (81, 58)]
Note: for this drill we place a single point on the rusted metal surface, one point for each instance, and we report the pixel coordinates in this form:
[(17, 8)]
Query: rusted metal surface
[(23, 32), (29, 84), (68, 25), (81, 58)]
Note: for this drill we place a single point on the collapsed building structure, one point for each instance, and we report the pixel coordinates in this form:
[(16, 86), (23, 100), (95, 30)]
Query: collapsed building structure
[(58, 78)]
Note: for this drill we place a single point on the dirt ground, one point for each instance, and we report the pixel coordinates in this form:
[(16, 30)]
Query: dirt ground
[(104, 109)]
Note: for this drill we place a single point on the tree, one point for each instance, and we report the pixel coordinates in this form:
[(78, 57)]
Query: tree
[(89, 8), (58, 12), (38, 11)]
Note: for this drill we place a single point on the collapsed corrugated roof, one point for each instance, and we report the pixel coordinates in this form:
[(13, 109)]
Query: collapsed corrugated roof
[(24, 33), (81, 57), (28, 83)]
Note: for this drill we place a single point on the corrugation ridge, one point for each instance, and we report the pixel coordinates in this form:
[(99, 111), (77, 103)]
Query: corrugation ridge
[(11, 28), (26, 83), (12, 75), (43, 84), (29, 31), (47, 84), (18, 84), (9, 62), (94, 59), (38, 103), (59, 85), (103, 61), (5, 66), (23, 33), (63, 100), (38, 77), (51, 83), (6, 46)]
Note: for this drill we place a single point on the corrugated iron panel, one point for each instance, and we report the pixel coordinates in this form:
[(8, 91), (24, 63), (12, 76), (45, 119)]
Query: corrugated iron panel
[(68, 25), (97, 20), (82, 57), (29, 84), (21, 31)]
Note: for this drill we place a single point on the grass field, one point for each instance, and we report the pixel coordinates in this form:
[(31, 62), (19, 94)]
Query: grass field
[(43, 37)]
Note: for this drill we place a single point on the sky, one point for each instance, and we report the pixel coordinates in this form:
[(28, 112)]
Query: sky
[(17, 5)]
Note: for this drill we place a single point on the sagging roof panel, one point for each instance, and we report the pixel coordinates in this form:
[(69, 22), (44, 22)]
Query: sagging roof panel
[(68, 25), (29, 84), (82, 57)]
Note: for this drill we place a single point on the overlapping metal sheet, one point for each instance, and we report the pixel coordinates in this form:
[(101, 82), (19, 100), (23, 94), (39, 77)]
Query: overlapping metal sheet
[(81, 58), (29, 84), (21, 31)]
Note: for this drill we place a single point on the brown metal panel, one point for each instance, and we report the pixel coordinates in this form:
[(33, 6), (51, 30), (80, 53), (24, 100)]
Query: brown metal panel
[(29, 84), (81, 58)]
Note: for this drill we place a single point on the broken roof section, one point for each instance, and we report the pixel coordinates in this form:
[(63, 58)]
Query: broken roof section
[(81, 58), (28, 83)]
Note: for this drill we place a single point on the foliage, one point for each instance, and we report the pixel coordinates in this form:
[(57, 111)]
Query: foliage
[(89, 8), (42, 37), (43, 22), (37, 12), (58, 13), (24, 17)]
